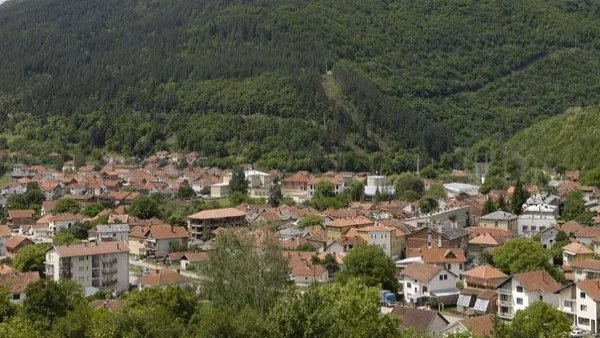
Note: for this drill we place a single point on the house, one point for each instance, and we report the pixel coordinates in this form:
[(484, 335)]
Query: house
[(296, 186), (344, 244), (163, 278), (16, 243), (17, 217), (5, 234), (203, 223), (110, 232), (480, 326), (479, 294), (587, 235), (548, 237), (259, 183), (60, 222), (16, 283), (428, 321), (499, 220), (454, 216), (453, 259), (522, 289), (51, 189), (389, 239), (435, 236), (585, 269), (575, 251), (193, 260), (485, 242), (530, 225), (581, 303), (103, 265), (157, 240), (48, 208), (378, 183), (339, 227), (302, 270), (422, 281), (219, 190)]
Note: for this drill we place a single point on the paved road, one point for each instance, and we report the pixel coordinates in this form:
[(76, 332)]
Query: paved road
[(151, 266)]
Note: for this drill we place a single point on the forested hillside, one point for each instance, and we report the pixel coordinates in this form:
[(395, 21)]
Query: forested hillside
[(568, 141), (244, 81)]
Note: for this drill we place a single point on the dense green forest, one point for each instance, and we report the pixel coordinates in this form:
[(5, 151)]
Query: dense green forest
[(569, 140), (246, 81)]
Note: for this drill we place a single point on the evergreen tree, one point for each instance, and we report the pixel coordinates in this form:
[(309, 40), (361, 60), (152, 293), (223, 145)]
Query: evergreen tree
[(489, 206), (238, 183), (519, 197), (275, 194)]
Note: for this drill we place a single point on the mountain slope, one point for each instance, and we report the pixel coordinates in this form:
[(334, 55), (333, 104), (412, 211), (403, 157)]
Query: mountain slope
[(569, 140), (243, 80)]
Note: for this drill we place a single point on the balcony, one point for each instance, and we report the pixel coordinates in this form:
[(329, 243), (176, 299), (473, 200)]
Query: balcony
[(506, 315), (505, 302), (569, 307), (109, 271), (109, 261)]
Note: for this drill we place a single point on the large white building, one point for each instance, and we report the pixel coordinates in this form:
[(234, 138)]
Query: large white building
[(581, 303), (103, 265)]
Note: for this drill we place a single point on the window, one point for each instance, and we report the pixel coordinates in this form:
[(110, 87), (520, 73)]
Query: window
[(582, 295), (445, 277), (533, 228), (584, 321), (583, 307), (519, 289), (408, 285), (449, 267), (520, 301), (424, 289), (496, 224), (525, 228), (441, 277), (16, 296), (81, 258), (460, 266)]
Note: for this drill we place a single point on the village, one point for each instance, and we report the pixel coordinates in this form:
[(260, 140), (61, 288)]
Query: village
[(444, 251)]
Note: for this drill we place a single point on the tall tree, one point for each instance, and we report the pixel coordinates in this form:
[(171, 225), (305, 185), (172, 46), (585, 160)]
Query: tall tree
[(67, 205), (356, 191), (144, 207), (275, 194), (371, 266), (325, 311), (238, 182), (537, 320), (489, 206), (519, 198), (521, 254), (31, 258), (574, 209), (245, 269), (185, 190)]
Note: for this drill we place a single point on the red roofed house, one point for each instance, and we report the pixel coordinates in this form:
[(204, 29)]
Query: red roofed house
[(340, 227), (479, 295), (161, 238), (422, 320), (521, 290), (103, 265), (389, 239), (163, 278), (296, 186), (480, 326), (302, 271), (422, 281), (453, 259), (52, 189), (16, 283), (203, 223), (16, 218), (581, 303), (575, 251), (15, 243), (59, 222)]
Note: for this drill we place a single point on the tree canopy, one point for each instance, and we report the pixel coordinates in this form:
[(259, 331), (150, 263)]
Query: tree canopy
[(371, 266), (519, 255)]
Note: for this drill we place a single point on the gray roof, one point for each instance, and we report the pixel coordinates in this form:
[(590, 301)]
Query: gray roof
[(450, 231), (112, 228), (499, 216)]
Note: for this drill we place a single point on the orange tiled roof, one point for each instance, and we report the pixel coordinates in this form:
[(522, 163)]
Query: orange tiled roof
[(359, 221), (88, 249), (20, 213), (421, 272), (480, 326), (17, 282), (577, 248), (538, 281), (168, 232), (17, 240), (443, 255), (589, 264), (163, 277), (485, 272), (218, 213)]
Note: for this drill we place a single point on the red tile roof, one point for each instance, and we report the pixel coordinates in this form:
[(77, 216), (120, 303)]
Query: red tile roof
[(538, 281), (589, 264), (19, 213), (218, 213), (443, 255), (577, 248), (17, 282), (163, 277), (90, 249), (421, 272), (480, 326), (168, 232), (360, 221), (16, 241), (591, 287)]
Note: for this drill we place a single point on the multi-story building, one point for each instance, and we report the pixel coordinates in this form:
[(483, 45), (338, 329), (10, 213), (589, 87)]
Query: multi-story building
[(203, 223), (422, 281), (62, 221), (110, 232), (339, 227), (581, 303), (479, 294), (530, 225), (521, 290), (436, 236), (389, 239), (103, 265), (499, 220)]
